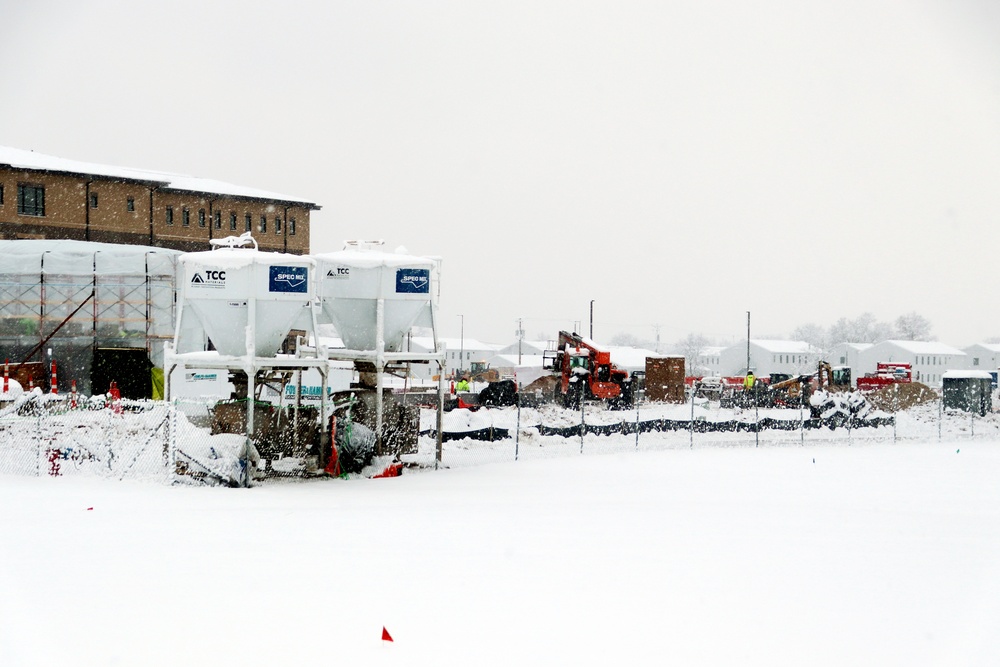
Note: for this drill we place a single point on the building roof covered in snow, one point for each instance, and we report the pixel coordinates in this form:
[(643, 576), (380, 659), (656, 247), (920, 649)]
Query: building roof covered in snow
[(924, 347), (453, 344), (784, 346), (17, 158), (858, 347), (990, 347), (631, 358)]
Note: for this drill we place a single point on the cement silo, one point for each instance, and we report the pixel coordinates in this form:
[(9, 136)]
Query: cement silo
[(246, 301), (355, 281), (374, 298), (243, 304)]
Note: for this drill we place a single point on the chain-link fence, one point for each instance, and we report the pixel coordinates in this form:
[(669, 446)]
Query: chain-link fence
[(47, 434), (492, 435), (196, 442)]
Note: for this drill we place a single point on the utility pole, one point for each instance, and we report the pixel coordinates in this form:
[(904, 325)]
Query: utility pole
[(591, 319), (748, 342), (461, 352), (520, 337)]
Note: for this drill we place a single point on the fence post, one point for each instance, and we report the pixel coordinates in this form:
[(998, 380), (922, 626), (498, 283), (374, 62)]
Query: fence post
[(636, 427), (940, 415), (850, 423), (38, 452), (895, 409), (171, 443), (756, 424), (694, 390), (583, 426), (517, 433), (802, 423)]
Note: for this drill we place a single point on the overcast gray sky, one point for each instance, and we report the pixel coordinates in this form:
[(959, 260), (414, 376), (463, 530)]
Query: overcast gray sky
[(680, 163)]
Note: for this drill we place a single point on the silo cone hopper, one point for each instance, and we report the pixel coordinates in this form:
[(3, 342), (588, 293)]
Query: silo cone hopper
[(227, 289), (354, 280)]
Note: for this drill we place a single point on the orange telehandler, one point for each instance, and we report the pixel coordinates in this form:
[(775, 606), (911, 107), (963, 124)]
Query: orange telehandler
[(585, 371)]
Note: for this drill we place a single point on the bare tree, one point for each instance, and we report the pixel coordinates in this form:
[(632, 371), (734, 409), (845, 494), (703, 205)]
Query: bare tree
[(862, 329), (691, 346), (813, 334), (626, 340), (912, 326)]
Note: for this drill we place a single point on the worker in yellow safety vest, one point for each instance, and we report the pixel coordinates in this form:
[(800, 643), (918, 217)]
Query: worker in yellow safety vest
[(749, 381)]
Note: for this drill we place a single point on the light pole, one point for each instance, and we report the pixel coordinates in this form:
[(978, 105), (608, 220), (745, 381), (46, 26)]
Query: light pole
[(591, 319), (748, 342), (461, 349), (520, 337)]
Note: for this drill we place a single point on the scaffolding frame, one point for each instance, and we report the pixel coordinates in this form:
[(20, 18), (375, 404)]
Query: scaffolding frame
[(43, 283)]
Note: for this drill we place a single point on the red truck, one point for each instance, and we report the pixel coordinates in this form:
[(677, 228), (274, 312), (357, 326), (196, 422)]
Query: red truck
[(885, 374)]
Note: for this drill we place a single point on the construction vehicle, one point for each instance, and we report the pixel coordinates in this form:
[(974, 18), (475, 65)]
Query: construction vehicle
[(794, 390), (826, 378), (480, 371), (585, 371), (886, 373)]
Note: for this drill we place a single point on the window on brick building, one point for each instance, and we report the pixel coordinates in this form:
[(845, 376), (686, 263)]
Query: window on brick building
[(31, 200), (170, 215), (130, 204)]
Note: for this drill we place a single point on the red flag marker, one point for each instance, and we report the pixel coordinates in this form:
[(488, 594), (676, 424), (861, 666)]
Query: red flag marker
[(89, 508), (386, 637)]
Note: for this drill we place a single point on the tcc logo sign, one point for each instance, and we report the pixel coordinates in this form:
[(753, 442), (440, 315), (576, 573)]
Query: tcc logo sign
[(214, 278), (339, 273)]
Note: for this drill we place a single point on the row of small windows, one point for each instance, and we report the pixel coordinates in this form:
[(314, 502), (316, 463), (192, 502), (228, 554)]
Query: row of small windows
[(789, 359), (932, 361), (31, 201), (129, 202), (217, 221)]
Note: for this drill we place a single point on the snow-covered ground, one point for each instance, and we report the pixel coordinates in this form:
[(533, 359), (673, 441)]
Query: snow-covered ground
[(847, 552)]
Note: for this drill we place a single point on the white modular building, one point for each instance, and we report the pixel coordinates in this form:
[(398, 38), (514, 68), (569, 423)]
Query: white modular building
[(930, 360), (983, 357), (790, 357)]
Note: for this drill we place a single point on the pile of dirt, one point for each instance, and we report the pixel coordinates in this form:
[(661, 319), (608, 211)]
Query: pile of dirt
[(546, 384), (901, 396)]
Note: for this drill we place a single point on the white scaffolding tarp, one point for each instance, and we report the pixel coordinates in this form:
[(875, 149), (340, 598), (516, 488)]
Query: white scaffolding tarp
[(42, 282)]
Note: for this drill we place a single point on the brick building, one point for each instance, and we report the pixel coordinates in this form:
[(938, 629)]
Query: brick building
[(46, 197)]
